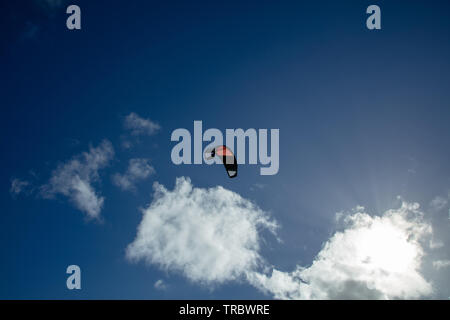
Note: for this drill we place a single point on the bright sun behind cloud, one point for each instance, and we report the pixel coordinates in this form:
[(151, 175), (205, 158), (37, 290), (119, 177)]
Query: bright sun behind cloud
[(374, 257)]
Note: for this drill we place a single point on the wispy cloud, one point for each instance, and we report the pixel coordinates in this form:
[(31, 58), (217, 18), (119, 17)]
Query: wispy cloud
[(257, 186), (439, 203), (440, 264), (160, 285), (138, 169), (18, 186), (140, 126), (74, 179), (436, 244)]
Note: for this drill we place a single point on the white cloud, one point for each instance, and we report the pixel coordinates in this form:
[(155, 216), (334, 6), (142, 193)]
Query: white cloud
[(440, 264), (138, 169), (373, 258), (74, 179), (160, 285), (209, 235), (18, 186), (438, 203), (213, 235), (140, 126)]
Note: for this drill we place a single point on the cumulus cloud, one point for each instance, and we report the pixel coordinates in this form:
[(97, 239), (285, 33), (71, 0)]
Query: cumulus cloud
[(138, 169), (214, 235), (374, 257), (74, 179), (209, 235), (140, 126), (18, 186)]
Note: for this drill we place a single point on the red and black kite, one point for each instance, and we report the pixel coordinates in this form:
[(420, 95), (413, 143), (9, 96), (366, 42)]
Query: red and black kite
[(227, 157)]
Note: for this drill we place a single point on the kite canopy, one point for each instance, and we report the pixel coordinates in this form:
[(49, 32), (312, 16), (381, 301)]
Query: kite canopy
[(227, 157)]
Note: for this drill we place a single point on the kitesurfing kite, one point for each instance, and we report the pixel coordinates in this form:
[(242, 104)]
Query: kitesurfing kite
[(227, 157)]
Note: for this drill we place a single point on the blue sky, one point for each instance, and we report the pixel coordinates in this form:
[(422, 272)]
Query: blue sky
[(363, 118)]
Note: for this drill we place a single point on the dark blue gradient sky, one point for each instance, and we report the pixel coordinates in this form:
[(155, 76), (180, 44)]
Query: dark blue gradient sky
[(363, 117)]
